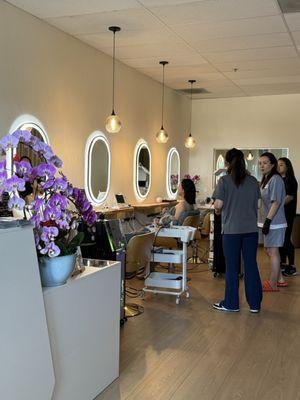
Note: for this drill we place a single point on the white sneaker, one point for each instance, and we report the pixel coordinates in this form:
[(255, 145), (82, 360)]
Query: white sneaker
[(220, 307), (254, 311)]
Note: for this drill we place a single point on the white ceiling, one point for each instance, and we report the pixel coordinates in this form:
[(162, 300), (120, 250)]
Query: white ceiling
[(203, 40)]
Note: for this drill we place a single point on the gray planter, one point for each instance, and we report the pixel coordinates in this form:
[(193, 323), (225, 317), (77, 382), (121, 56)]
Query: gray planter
[(56, 270)]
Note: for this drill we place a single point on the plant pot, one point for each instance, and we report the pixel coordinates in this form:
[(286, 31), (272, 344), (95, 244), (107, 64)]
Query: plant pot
[(55, 271)]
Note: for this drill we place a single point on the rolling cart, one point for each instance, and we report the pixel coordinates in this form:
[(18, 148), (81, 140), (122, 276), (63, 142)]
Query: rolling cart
[(167, 283)]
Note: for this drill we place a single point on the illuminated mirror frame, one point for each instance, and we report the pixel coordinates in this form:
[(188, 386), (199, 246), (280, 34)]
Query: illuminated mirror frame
[(23, 122), (140, 145), (173, 151), (91, 141)]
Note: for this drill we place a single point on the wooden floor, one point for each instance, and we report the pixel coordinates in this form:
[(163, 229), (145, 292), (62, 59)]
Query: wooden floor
[(192, 352)]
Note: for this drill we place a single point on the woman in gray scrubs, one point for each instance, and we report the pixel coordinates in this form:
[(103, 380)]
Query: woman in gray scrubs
[(273, 222)]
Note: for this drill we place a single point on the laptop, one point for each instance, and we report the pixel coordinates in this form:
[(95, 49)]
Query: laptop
[(120, 200)]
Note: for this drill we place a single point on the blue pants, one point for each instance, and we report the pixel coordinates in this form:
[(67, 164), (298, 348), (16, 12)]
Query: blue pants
[(233, 246)]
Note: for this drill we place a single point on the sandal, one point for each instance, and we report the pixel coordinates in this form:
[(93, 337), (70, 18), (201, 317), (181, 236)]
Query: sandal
[(282, 284), (266, 287)]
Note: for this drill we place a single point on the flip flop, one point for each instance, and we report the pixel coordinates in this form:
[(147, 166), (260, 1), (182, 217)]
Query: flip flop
[(266, 287), (282, 284)]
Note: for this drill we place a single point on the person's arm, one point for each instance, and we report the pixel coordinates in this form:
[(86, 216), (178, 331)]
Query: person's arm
[(218, 205), (288, 199)]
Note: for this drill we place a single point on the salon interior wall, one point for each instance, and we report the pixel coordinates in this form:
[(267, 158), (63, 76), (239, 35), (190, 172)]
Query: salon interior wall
[(252, 122), (67, 85)]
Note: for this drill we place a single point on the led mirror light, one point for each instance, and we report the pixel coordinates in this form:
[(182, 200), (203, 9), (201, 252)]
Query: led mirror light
[(173, 173), (97, 168), (142, 170)]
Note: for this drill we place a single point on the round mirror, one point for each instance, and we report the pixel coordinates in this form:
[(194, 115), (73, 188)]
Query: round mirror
[(142, 169), (97, 168), (173, 172)]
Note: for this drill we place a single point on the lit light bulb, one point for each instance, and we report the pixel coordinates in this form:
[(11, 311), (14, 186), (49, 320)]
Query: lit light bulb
[(113, 123), (250, 156), (162, 136), (190, 142)]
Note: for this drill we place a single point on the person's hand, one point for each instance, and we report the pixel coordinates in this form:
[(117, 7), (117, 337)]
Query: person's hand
[(266, 226)]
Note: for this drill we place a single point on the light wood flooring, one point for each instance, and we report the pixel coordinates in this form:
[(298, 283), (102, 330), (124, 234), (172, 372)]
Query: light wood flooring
[(192, 352)]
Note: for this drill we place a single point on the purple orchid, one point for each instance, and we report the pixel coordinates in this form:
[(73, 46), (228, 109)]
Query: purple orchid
[(49, 233), (16, 202), (60, 184), (24, 168), (58, 200), (15, 184), (45, 171), (52, 213), (22, 135), (56, 161), (51, 250), (2, 166), (9, 142)]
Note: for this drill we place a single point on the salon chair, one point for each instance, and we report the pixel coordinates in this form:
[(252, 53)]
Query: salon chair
[(138, 257), (201, 242)]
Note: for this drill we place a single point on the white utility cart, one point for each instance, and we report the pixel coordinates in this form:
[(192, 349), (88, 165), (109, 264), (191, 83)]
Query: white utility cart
[(167, 283)]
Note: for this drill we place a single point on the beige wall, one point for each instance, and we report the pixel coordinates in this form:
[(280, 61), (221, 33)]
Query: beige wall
[(67, 86), (267, 121)]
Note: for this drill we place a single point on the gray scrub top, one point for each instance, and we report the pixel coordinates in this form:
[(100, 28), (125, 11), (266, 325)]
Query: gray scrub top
[(273, 191)]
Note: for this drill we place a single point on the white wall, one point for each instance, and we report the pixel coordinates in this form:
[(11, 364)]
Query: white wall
[(67, 86), (266, 121)]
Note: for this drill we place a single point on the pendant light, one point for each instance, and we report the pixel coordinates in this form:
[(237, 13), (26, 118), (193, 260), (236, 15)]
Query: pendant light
[(250, 156), (162, 136), (113, 122), (190, 142)]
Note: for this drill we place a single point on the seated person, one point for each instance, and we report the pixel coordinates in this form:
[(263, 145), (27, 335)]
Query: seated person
[(186, 202)]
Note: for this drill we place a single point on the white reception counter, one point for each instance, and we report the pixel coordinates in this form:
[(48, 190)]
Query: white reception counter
[(81, 323)]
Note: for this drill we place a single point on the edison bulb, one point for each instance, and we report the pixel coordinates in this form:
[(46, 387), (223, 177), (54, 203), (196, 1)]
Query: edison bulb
[(113, 124), (190, 142), (162, 136)]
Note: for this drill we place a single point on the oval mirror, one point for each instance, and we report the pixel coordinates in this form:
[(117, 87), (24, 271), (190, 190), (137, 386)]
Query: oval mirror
[(97, 168), (173, 172), (26, 152), (142, 169)]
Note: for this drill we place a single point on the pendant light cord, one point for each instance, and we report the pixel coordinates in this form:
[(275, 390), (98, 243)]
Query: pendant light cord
[(163, 98), (114, 53)]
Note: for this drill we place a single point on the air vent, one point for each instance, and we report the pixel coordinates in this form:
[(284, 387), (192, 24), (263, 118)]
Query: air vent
[(194, 91), (289, 6)]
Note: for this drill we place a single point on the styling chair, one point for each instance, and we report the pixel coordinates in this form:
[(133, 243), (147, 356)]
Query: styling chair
[(138, 257)]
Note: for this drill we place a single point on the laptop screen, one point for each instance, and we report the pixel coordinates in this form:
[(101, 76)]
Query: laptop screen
[(120, 199)]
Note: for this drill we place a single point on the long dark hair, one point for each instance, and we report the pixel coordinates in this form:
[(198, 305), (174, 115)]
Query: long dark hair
[(236, 166), (290, 174), (189, 190), (273, 161)]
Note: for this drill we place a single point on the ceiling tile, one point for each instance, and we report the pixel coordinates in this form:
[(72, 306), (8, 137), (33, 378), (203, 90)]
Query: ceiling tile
[(137, 19), (256, 54), (151, 3), (161, 51), (216, 10), (275, 71), (176, 60), (127, 38), (242, 42), (268, 80), (184, 73), (58, 8), (293, 21), (237, 27), (281, 88), (253, 65)]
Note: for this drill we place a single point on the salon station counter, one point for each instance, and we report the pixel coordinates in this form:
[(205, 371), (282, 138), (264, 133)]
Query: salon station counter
[(56, 343), (129, 211)]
